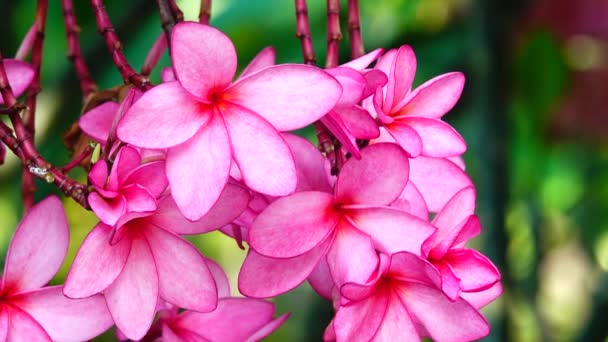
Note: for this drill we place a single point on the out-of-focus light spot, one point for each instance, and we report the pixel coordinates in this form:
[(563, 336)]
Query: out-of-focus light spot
[(433, 15), (191, 8), (585, 52), (523, 322), (601, 251), (521, 248), (8, 219), (555, 187)]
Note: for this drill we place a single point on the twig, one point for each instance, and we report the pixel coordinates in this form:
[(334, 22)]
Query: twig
[(77, 159), (105, 28), (166, 17), (354, 30), (204, 13), (177, 13), (5, 88), (303, 33), (333, 33), (154, 55), (87, 85)]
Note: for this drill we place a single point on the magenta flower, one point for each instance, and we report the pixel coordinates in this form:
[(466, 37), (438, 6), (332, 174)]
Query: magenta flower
[(461, 269), (294, 233), (206, 121), (19, 74), (148, 261), (403, 301), (413, 117), (130, 187), (31, 312)]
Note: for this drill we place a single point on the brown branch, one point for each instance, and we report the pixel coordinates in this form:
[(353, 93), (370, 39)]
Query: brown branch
[(177, 13), (87, 85), (303, 33), (77, 159), (204, 13), (105, 28), (166, 17), (333, 33), (354, 30)]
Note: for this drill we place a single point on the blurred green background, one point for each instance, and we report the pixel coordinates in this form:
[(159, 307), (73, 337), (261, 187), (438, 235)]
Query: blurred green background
[(533, 113)]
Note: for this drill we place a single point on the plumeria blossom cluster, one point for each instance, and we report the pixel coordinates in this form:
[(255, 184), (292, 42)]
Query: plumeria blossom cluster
[(378, 227)]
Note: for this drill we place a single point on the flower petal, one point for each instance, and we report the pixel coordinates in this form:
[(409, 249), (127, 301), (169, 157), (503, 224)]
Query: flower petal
[(139, 199), (37, 248), (184, 278), (359, 122), (293, 225), (434, 98), (334, 124), (359, 321), (474, 269), (265, 161), (401, 77), (133, 295), (97, 263), (397, 325), (351, 257), (377, 178), (321, 281), (4, 323), (97, 122), (127, 160), (281, 94), (438, 138), (220, 278), (66, 319), (165, 116), (204, 58), (364, 61), (263, 59), (310, 164), (107, 210), (201, 163), (458, 208), (352, 82), (151, 176), (482, 298), (19, 74), (407, 137), (23, 327), (412, 202)]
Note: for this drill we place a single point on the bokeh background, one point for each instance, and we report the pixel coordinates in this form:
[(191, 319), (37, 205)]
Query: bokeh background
[(534, 114)]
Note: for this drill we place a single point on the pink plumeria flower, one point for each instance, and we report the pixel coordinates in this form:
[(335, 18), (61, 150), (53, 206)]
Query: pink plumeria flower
[(413, 117), (129, 187), (19, 74), (403, 301), (206, 122), (28, 310), (148, 261), (294, 233), (461, 269)]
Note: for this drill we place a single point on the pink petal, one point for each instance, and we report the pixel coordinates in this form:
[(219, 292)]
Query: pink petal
[(310, 164), (293, 225), (334, 124), (184, 278), (107, 210), (434, 98), (165, 116), (194, 165), (37, 248), (450, 282), (138, 198), (458, 208), (351, 257), (438, 179), (359, 321), (96, 123), (220, 278), (167, 75), (352, 82), (415, 202), (150, 176), (374, 79), (401, 77), (132, 96), (19, 74), (97, 263), (354, 292), (66, 319), (127, 160), (132, 297), (263, 59), (407, 137), (470, 229), (321, 281), (265, 161), (474, 269), (263, 277), (438, 138), (397, 325), (23, 327), (483, 298), (204, 59), (359, 122), (392, 230), (378, 178), (409, 267), (268, 328), (385, 62), (443, 319), (363, 61), (281, 94), (98, 176), (4, 323)]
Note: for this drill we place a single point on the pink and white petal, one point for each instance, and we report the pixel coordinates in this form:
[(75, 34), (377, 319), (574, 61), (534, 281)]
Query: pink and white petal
[(397, 325), (351, 257), (97, 122), (281, 94), (66, 319), (264, 277), (406, 137), (450, 283), (204, 58), (201, 163), (458, 208), (359, 122), (354, 292), (415, 202), (167, 75), (444, 320), (23, 328), (132, 96), (434, 98), (402, 76), (353, 84), (133, 295), (334, 124), (385, 62), (376, 179), (409, 267), (482, 298), (321, 281), (265, 161), (37, 248), (359, 321), (19, 74), (364, 61), (220, 278), (97, 263), (268, 328), (184, 278), (165, 116), (458, 160), (151, 176), (392, 230), (293, 225), (263, 59), (470, 229), (310, 164), (438, 180), (474, 269), (438, 138), (139, 199), (108, 210), (374, 78)]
